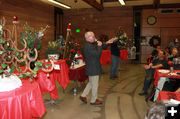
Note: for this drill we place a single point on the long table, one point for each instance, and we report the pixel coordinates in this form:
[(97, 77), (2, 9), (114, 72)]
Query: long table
[(164, 95), (161, 78)]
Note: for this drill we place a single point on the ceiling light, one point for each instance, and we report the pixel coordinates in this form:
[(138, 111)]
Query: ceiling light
[(58, 3), (122, 2)]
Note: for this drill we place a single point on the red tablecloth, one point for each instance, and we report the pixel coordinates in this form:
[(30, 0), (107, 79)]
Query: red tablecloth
[(48, 84), (78, 74), (106, 56), (158, 74), (123, 54), (22, 103), (164, 95)]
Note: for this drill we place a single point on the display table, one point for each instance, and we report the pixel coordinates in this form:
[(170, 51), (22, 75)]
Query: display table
[(78, 73), (164, 95), (106, 56), (160, 79), (48, 83), (22, 103), (158, 74)]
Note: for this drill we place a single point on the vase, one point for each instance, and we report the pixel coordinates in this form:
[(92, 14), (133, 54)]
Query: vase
[(53, 57)]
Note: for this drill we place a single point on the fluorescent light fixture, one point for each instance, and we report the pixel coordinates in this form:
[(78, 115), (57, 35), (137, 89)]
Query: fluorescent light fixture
[(58, 3), (122, 2)]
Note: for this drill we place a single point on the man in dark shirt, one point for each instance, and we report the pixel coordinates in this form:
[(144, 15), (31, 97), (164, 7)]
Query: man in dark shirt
[(115, 53), (159, 63)]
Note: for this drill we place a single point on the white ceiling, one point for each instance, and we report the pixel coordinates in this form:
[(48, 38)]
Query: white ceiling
[(81, 4)]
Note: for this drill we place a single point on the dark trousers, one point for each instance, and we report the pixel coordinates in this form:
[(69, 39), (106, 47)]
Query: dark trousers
[(148, 79)]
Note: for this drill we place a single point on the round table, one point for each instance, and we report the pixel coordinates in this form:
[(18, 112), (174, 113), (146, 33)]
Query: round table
[(24, 102)]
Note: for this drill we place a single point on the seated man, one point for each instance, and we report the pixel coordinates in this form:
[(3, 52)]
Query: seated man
[(159, 63)]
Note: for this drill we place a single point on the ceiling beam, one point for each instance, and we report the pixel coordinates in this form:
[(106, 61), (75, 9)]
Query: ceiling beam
[(102, 1), (156, 4), (94, 4)]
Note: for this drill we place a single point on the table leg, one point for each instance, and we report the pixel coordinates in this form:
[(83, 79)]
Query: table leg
[(52, 102)]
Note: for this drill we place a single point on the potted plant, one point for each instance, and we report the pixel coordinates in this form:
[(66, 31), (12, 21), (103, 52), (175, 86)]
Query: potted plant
[(54, 51)]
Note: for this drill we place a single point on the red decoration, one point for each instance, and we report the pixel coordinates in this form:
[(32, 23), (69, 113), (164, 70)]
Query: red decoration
[(15, 18), (68, 27)]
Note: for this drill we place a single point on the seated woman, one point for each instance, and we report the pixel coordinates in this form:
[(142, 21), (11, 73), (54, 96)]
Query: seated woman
[(171, 59), (174, 54)]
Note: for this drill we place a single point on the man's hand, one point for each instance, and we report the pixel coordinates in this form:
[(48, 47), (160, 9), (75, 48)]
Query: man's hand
[(99, 43), (110, 41)]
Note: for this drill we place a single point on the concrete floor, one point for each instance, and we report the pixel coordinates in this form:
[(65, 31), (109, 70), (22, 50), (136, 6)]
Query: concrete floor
[(120, 98)]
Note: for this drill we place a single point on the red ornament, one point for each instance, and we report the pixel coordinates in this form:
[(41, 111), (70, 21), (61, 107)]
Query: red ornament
[(15, 18), (69, 26)]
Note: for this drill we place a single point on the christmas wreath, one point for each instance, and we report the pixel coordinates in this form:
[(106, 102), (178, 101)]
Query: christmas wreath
[(155, 41)]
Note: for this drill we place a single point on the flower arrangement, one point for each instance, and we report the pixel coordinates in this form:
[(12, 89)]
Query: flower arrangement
[(122, 39), (54, 48)]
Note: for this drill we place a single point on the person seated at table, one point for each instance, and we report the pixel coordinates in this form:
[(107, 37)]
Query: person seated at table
[(159, 63), (156, 111), (154, 54), (174, 44), (174, 54)]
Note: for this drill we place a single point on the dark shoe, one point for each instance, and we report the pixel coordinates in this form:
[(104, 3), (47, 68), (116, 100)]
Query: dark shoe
[(143, 93), (114, 78), (97, 102), (83, 99)]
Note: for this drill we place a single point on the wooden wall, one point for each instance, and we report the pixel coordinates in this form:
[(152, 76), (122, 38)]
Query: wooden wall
[(167, 26), (34, 12), (105, 22)]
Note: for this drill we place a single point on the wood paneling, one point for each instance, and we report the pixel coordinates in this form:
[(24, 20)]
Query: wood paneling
[(104, 22), (34, 12), (167, 26)]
